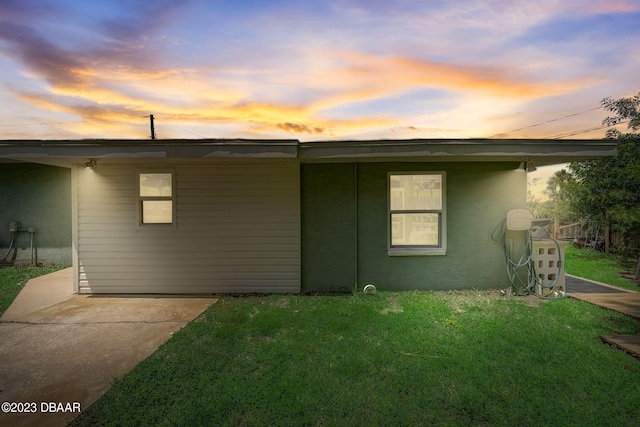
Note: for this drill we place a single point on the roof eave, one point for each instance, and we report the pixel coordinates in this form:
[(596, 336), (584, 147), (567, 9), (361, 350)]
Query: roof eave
[(540, 151)]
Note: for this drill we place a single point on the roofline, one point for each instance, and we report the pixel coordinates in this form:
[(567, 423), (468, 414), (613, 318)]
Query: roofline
[(244, 141), (136, 142), (455, 141), (540, 151)]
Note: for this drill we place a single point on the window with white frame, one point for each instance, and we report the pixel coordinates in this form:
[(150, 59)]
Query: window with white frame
[(417, 213), (156, 197)]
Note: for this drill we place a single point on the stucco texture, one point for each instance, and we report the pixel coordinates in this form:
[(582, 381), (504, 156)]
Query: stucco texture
[(345, 227), (37, 196)]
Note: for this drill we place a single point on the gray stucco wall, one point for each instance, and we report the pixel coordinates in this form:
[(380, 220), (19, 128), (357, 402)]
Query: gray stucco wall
[(478, 197), (37, 196), (328, 227)]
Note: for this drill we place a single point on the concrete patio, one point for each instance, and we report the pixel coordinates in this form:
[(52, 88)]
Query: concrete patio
[(57, 347)]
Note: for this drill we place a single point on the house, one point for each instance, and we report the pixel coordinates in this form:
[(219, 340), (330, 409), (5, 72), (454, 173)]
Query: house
[(235, 216)]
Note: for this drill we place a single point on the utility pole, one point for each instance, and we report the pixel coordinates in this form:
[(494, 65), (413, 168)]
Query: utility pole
[(153, 129)]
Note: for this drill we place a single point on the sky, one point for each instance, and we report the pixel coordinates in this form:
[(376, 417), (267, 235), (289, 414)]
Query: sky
[(314, 70)]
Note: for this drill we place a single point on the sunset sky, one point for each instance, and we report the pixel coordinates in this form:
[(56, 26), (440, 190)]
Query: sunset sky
[(314, 70)]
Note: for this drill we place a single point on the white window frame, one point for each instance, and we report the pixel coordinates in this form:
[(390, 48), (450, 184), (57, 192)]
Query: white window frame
[(141, 199), (418, 250)]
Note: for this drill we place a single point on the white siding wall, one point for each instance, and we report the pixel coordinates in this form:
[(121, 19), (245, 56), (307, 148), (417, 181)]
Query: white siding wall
[(237, 230)]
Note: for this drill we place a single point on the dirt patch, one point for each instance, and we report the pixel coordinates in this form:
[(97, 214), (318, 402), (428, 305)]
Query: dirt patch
[(529, 300), (394, 306), (461, 299), (282, 303)]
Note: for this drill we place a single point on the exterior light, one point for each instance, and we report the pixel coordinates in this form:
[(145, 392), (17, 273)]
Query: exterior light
[(91, 164), (530, 166)]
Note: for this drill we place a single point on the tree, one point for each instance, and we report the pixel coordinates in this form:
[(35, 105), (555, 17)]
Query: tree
[(606, 191), (626, 109), (558, 206), (557, 185), (534, 204)]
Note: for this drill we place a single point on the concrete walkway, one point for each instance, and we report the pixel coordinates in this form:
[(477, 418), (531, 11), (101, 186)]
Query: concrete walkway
[(63, 351), (611, 298), (578, 285)]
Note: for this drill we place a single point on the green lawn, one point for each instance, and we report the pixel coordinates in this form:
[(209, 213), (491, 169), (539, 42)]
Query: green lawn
[(13, 279), (406, 359), (597, 266)]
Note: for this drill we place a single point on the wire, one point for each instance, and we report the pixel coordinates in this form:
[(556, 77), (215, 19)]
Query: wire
[(184, 130), (578, 132), (518, 286), (521, 272), (13, 238), (548, 121)]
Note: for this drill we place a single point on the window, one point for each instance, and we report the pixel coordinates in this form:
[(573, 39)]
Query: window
[(156, 198), (417, 214)]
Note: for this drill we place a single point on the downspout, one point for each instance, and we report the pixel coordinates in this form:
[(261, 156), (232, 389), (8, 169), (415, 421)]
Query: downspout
[(32, 231), (355, 225)]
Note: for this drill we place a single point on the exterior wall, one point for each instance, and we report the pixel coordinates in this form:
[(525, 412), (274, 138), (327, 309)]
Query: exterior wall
[(37, 196), (237, 230), (478, 196), (329, 236)]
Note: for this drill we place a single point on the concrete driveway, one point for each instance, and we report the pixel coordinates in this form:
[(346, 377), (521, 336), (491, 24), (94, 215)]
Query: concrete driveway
[(59, 352)]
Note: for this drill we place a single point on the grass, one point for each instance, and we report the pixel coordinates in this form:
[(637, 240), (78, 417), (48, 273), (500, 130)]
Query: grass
[(410, 358), (12, 280), (597, 266)]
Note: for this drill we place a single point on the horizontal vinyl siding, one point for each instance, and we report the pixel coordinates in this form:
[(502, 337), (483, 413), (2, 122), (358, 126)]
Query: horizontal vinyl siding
[(237, 230)]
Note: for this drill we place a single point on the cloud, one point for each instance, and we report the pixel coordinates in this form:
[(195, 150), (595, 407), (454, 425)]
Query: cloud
[(525, 12), (300, 128), (506, 116), (122, 42), (117, 92), (332, 74), (18, 10), (129, 38), (367, 77), (101, 86), (604, 6), (58, 66), (423, 131)]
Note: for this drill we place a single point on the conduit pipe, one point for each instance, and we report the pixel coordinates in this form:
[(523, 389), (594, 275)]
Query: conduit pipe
[(13, 238), (14, 229)]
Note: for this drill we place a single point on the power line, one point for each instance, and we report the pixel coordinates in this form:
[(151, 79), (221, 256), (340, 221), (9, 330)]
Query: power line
[(578, 132), (177, 127), (548, 121)]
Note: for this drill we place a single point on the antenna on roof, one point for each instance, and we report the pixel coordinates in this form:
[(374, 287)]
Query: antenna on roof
[(153, 129)]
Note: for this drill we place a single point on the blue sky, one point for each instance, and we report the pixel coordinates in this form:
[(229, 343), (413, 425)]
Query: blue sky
[(321, 70)]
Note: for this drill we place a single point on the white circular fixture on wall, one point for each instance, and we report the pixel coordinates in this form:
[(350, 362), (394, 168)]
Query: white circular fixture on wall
[(370, 289)]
